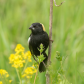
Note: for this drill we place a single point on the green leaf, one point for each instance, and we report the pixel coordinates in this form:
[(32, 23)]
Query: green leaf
[(40, 58), (65, 82), (58, 57), (61, 71), (41, 48)]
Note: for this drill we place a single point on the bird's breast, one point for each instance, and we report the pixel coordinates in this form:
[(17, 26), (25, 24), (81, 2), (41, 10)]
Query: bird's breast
[(36, 40)]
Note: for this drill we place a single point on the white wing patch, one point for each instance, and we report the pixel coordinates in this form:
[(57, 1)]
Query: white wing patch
[(28, 40)]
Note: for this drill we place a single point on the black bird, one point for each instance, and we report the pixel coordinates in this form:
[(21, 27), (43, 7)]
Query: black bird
[(38, 36)]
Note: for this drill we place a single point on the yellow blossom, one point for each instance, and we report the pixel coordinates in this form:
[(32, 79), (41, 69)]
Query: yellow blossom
[(1, 82), (29, 71), (16, 60), (28, 55), (10, 81), (19, 48), (11, 58), (3, 73), (19, 58), (29, 76)]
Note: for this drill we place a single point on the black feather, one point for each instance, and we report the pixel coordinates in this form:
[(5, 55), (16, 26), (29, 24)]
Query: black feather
[(37, 37)]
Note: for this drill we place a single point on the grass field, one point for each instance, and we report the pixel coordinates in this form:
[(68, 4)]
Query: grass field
[(68, 34)]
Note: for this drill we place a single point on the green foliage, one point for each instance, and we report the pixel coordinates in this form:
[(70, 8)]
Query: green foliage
[(41, 57), (65, 82), (41, 48), (60, 73), (58, 56)]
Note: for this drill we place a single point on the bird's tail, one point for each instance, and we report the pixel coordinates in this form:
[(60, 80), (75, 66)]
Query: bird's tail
[(42, 66)]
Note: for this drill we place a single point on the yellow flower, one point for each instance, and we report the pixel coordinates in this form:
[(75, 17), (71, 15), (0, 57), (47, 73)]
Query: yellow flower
[(19, 48), (29, 71), (11, 58), (18, 59), (27, 55), (29, 76), (1, 82), (10, 81), (4, 73)]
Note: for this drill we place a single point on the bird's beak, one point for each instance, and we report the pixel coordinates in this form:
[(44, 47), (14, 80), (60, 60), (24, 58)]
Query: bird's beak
[(31, 27)]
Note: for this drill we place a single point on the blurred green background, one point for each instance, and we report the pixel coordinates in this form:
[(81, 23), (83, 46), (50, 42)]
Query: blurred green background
[(68, 33)]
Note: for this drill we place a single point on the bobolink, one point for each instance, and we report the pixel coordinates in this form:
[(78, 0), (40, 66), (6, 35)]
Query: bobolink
[(38, 36)]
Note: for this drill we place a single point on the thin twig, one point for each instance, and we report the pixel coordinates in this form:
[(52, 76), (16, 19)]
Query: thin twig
[(50, 42), (50, 30), (50, 37), (36, 74), (25, 66), (58, 5), (51, 80), (35, 59), (44, 64), (18, 76)]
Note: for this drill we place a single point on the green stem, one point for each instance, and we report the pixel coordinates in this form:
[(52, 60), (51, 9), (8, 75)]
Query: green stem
[(25, 66), (18, 76), (3, 81), (26, 80), (36, 75), (61, 63)]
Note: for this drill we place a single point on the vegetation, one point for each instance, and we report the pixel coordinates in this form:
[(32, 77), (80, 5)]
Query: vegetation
[(68, 32)]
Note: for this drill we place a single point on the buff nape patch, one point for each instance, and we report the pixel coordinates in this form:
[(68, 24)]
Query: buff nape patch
[(43, 27)]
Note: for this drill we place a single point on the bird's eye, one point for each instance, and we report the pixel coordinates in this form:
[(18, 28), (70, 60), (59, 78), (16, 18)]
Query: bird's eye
[(34, 26)]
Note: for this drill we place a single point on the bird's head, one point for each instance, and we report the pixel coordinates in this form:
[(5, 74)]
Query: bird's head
[(37, 28)]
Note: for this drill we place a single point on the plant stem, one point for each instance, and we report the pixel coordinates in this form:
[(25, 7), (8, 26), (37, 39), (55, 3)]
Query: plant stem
[(50, 42), (36, 75), (25, 66), (50, 30), (18, 76)]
